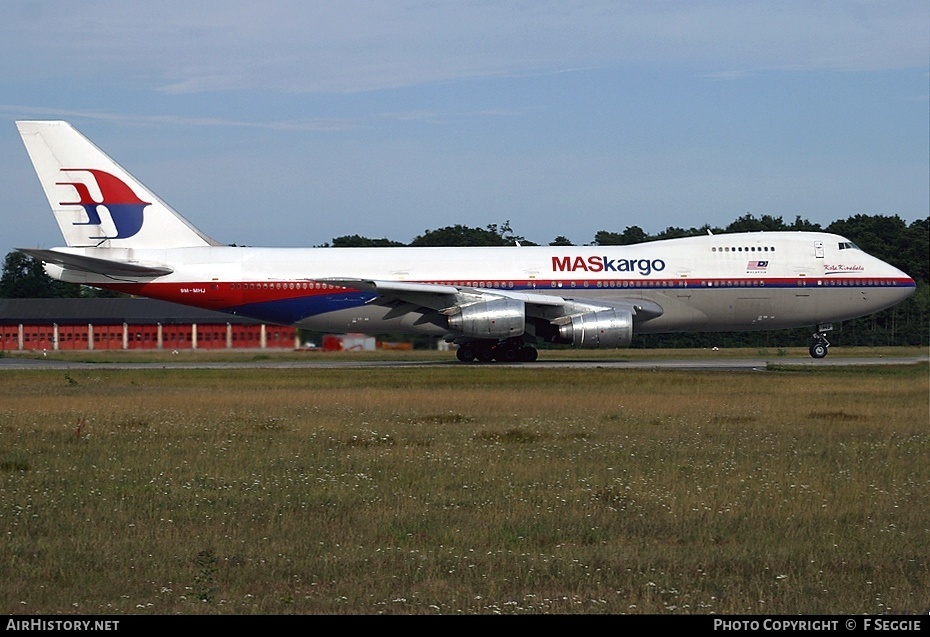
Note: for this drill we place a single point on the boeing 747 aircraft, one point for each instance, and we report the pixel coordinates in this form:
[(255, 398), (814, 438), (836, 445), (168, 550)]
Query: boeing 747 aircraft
[(494, 303)]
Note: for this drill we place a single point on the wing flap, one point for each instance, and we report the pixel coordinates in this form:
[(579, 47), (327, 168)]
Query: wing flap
[(391, 286)]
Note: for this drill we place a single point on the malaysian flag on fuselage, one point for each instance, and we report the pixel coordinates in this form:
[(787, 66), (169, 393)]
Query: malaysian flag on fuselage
[(757, 266)]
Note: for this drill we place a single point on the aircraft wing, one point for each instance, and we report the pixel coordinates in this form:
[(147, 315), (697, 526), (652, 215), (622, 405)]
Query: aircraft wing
[(439, 296), (106, 267), (428, 298)]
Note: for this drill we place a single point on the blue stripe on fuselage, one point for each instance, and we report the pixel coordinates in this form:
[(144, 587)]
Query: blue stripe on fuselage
[(290, 311)]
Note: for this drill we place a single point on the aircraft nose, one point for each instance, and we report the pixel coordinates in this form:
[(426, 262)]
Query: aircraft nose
[(898, 285), (904, 284)]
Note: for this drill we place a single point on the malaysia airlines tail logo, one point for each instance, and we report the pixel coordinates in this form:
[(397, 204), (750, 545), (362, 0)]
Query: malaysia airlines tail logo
[(121, 202)]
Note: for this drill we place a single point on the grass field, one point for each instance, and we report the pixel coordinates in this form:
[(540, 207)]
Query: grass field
[(465, 489)]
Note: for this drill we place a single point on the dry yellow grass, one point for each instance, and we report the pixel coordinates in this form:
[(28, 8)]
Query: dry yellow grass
[(465, 490)]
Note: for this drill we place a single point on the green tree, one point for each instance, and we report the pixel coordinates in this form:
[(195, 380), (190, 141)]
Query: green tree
[(357, 241), (905, 247), (459, 235), (748, 223), (881, 236), (24, 278), (630, 236), (917, 251), (804, 225)]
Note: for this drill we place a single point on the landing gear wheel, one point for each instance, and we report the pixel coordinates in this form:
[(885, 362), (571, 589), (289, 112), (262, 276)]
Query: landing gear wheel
[(818, 350), (507, 353), (484, 353), (819, 342), (486, 350)]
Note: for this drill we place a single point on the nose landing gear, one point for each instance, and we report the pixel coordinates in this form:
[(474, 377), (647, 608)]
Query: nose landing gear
[(819, 342)]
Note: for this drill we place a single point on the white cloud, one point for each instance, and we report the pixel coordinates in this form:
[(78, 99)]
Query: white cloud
[(357, 46)]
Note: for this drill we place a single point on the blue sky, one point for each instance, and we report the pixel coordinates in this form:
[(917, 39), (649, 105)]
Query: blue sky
[(290, 123)]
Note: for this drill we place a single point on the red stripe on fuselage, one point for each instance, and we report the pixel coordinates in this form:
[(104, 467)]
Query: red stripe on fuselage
[(217, 296)]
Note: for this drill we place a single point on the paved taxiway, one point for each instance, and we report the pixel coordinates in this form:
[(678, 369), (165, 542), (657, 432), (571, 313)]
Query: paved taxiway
[(720, 364)]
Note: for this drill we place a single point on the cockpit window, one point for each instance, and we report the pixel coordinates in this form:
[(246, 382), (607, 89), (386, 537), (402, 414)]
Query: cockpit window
[(848, 245)]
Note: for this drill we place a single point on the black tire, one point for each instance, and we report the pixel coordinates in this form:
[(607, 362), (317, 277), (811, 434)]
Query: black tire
[(528, 354), (507, 354), (484, 353), (818, 350), (465, 354)]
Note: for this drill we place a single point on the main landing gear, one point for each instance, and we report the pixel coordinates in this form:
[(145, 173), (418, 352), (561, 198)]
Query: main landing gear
[(819, 342), (509, 351)]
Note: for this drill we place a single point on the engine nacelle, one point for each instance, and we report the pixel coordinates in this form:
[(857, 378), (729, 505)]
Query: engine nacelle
[(599, 329), (500, 318)]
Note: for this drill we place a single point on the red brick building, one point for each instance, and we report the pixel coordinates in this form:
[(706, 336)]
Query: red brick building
[(91, 324)]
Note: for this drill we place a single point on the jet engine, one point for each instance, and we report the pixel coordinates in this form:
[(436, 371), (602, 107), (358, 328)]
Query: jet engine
[(499, 318), (599, 329)]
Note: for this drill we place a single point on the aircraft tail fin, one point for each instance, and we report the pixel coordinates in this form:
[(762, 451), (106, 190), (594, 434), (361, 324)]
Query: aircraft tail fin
[(96, 202)]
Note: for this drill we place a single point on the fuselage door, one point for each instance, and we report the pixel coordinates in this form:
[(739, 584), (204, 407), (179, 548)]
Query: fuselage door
[(818, 249)]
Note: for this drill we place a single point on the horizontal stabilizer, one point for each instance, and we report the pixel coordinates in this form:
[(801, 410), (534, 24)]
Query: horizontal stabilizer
[(94, 265)]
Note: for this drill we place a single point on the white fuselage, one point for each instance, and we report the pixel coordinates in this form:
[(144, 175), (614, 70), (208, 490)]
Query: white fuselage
[(745, 281)]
